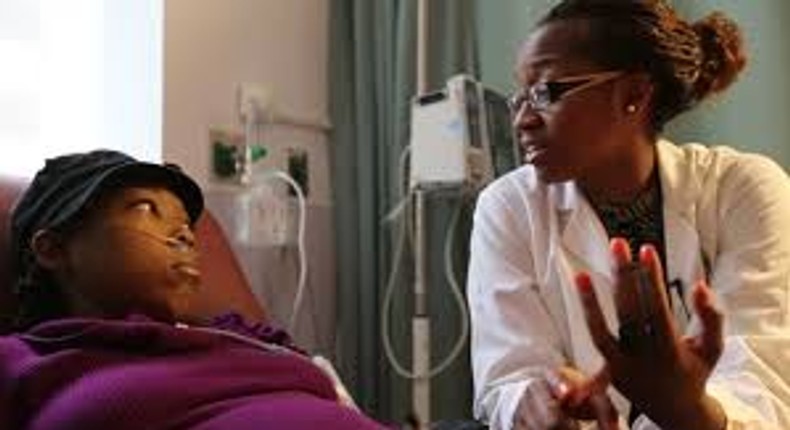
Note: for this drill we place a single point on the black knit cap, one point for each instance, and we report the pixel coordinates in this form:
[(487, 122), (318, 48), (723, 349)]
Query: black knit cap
[(68, 183)]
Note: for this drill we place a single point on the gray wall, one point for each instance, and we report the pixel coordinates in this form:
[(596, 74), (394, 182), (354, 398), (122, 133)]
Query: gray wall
[(753, 115)]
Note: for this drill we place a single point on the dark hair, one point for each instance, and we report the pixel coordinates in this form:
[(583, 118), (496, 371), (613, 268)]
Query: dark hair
[(686, 62), (39, 297)]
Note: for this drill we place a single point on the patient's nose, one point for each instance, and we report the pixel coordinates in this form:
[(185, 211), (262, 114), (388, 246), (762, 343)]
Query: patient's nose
[(183, 238)]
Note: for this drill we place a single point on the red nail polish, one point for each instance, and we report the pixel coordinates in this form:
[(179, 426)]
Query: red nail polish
[(621, 249), (584, 283), (646, 252)]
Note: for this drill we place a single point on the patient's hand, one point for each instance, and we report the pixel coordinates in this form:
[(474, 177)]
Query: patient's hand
[(343, 396)]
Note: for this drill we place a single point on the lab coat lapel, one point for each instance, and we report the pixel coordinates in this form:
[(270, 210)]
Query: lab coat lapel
[(680, 193), (683, 262), (582, 246), (682, 240), (581, 231)]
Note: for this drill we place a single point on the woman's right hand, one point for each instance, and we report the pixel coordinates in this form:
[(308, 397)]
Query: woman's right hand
[(661, 373)]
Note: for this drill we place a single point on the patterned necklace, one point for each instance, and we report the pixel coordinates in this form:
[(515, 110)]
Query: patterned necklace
[(639, 220)]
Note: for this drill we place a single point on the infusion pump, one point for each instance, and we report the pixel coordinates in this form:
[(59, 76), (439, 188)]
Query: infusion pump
[(461, 136)]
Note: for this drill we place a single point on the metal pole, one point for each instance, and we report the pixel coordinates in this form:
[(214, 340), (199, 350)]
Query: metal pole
[(422, 46), (421, 333), (421, 330)]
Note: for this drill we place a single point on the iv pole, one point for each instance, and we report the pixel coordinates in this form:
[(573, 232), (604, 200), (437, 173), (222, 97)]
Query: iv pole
[(421, 346)]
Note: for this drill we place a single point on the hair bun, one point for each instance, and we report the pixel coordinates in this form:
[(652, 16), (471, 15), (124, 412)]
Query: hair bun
[(723, 54)]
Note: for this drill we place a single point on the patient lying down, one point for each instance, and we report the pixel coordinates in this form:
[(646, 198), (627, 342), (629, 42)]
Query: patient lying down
[(108, 267)]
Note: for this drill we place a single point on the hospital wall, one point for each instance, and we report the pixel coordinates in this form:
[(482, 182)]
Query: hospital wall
[(211, 46)]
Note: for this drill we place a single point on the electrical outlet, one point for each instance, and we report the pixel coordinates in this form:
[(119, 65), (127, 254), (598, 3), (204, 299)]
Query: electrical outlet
[(254, 101)]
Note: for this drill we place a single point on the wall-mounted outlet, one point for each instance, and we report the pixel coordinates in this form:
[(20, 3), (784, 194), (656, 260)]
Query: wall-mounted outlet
[(254, 101)]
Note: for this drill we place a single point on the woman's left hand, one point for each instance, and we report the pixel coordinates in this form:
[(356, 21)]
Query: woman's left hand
[(583, 398), (650, 363)]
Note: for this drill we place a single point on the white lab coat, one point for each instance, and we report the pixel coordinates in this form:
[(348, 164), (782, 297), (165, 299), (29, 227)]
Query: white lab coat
[(724, 211)]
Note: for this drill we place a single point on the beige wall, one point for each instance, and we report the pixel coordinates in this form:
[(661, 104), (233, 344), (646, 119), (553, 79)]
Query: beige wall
[(212, 45)]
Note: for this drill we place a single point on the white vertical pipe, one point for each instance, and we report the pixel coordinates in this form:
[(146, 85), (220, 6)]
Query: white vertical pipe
[(422, 46), (421, 330), (421, 352)]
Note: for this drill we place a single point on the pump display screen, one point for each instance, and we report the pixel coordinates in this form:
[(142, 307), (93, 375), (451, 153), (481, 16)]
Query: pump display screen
[(503, 147)]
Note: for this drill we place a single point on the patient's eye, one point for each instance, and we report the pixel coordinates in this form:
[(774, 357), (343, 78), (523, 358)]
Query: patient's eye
[(144, 206)]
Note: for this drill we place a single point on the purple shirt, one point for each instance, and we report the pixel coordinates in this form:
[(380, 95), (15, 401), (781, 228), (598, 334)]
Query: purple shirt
[(78, 374)]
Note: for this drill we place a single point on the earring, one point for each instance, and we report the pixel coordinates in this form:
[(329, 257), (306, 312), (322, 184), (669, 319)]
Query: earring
[(630, 108)]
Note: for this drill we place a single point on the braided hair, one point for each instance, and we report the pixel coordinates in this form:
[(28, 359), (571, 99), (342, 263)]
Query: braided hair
[(39, 296), (687, 62)]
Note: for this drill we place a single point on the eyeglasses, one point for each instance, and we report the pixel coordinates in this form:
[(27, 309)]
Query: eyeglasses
[(543, 94)]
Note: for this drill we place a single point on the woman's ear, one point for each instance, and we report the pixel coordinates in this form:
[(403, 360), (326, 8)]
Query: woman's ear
[(47, 248), (637, 95)]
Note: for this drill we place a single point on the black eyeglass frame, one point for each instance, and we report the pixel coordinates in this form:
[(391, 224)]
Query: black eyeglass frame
[(541, 95)]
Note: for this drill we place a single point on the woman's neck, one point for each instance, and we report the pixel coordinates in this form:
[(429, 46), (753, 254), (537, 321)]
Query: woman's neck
[(622, 178)]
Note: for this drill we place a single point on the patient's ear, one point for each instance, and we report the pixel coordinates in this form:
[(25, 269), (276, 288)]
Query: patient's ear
[(47, 248)]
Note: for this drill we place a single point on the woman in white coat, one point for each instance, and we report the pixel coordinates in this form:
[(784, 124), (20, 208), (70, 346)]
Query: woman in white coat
[(559, 310)]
